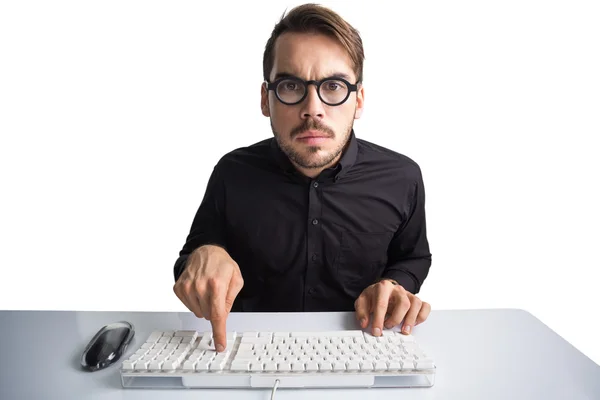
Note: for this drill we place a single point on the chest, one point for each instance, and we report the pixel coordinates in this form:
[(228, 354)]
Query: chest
[(287, 220)]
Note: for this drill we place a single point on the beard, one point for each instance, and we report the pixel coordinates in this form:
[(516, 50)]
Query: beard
[(308, 157)]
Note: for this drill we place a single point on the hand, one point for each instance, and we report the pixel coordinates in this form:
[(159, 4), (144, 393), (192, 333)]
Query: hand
[(208, 286), (390, 304)]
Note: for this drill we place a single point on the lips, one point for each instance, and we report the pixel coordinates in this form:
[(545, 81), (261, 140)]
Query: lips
[(313, 135)]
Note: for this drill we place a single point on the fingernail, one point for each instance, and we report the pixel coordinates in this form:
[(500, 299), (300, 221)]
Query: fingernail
[(363, 322), (220, 348), (406, 329), (376, 332)]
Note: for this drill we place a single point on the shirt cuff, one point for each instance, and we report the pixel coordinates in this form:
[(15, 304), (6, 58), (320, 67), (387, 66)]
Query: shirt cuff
[(404, 279)]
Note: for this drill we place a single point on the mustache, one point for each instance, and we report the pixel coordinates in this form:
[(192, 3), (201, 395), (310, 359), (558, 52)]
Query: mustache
[(312, 125)]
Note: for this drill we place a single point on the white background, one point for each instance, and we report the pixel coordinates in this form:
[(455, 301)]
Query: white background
[(113, 113)]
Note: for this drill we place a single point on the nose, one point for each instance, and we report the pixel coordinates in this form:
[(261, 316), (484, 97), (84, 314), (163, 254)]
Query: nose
[(312, 106)]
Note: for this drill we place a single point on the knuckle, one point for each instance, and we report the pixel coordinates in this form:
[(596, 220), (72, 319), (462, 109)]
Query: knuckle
[(381, 303), (405, 304), (216, 315), (239, 281), (214, 283), (400, 290)]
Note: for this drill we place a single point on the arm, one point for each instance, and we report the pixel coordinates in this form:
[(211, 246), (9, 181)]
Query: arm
[(409, 258), (208, 226)]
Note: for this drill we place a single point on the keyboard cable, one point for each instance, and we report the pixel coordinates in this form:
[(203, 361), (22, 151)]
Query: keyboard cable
[(274, 389)]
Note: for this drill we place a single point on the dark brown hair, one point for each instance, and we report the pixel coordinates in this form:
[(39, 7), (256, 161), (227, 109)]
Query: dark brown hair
[(313, 18)]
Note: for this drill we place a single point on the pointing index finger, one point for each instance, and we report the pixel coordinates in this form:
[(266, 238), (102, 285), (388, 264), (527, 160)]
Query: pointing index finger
[(218, 319), (379, 303)]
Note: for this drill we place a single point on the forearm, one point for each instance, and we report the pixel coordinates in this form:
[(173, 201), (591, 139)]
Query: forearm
[(208, 226)]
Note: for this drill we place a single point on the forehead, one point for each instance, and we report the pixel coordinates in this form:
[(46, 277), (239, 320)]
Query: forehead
[(310, 56)]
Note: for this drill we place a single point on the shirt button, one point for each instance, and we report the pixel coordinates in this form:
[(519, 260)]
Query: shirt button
[(316, 184), (311, 291), (314, 257), (315, 221)]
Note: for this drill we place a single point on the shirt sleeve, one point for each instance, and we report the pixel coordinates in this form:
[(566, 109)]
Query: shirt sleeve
[(208, 226), (409, 257)]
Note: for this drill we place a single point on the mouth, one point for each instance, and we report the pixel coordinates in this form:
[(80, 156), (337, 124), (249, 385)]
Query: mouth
[(313, 137)]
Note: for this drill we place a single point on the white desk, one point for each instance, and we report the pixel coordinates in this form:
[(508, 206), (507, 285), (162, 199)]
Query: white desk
[(479, 354)]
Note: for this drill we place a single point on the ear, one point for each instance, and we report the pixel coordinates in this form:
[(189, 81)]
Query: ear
[(264, 100), (360, 101)]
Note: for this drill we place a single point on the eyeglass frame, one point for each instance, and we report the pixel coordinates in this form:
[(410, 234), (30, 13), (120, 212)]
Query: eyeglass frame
[(273, 86)]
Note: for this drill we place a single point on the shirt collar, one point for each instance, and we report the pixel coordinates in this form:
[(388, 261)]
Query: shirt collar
[(345, 163)]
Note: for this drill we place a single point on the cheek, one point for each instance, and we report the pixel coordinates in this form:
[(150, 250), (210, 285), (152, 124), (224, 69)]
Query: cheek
[(284, 119)]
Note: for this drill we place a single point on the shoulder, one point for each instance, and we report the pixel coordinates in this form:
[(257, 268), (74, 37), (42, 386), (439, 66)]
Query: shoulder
[(256, 155), (371, 155)]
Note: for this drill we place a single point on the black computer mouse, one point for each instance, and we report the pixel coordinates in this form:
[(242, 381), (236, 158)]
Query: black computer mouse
[(107, 346)]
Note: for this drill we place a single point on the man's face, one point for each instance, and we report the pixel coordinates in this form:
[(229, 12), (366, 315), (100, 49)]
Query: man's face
[(311, 133)]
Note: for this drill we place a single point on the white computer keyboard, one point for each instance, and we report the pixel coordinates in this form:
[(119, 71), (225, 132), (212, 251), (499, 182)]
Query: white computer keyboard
[(350, 358)]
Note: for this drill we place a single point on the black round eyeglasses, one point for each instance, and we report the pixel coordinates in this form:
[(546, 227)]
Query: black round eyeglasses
[(292, 90)]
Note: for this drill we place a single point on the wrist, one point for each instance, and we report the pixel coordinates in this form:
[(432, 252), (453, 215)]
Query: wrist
[(392, 281)]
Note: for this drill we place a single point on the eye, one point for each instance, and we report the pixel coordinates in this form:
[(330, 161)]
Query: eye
[(289, 85)]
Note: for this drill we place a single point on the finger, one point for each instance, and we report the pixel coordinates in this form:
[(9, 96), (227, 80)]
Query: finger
[(235, 286), (424, 313), (361, 305), (218, 316), (183, 290), (411, 316), (380, 298), (401, 305)]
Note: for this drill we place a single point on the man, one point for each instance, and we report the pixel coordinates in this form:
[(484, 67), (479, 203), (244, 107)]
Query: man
[(313, 219)]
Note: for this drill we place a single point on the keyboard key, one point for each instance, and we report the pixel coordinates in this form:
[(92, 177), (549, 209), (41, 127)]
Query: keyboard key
[(154, 336), (202, 366), (353, 366), (339, 366), (186, 333), (284, 366), (366, 366), (256, 366), (312, 366), (298, 366), (128, 365), (189, 365), (424, 363), (256, 340), (394, 366), (240, 366), (270, 366), (380, 366)]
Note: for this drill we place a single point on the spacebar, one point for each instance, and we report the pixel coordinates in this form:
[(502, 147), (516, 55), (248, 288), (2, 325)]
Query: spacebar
[(327, 380)]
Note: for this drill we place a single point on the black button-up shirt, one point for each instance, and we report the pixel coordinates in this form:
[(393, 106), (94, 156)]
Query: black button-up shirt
[(314, 244)]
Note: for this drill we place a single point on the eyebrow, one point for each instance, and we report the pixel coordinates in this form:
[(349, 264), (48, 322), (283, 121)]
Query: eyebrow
[(334, 75)]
